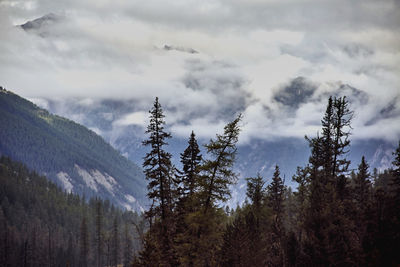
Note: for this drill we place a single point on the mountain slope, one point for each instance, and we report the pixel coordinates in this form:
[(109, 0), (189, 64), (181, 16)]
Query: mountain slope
[(68, 153)]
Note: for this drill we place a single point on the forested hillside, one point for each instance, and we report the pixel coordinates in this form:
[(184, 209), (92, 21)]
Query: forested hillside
[(335, 217), (67, 153), (42, 225)]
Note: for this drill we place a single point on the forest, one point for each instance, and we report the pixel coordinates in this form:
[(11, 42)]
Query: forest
[(42, 225), (335, 216)]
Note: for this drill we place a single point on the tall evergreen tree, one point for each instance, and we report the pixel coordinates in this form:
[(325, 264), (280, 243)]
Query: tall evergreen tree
[(99, 239), (127, 247), (217, 172), (396, 178), (157, 164), (275, 193), (362, 184), (362, 204), (275, 196), (255, 192), (206, 222), (159, 171), (115, 249), (84, 243), (191, 159)]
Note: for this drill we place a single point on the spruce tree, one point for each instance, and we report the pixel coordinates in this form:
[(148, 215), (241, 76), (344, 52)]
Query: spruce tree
[(275, 197), (396, 178), (115, 252), (362, 184), (191, 159), (159, 171), (275, 193), (84, 243), (362, 205), (157, 164), (255, 192)]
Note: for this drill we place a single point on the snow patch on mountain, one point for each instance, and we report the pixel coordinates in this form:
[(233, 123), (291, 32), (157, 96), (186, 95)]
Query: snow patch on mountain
[(87, 178), (66, 181), (95, 178), (105, 180)]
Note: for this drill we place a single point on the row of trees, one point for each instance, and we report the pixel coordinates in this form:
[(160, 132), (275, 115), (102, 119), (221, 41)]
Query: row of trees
[(335, 217), (185, 223), (41, 225)]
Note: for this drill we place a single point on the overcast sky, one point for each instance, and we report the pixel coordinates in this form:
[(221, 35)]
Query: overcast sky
[(223, 57)]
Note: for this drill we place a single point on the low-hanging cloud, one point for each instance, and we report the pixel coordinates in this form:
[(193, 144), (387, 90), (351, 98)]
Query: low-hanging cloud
[(276, 62)]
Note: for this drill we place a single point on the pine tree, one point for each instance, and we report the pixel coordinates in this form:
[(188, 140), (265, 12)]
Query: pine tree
[(205, 224), (159, 171), (157, 164), (362, 185), (115, 243), (191, 159), (362, 204), (127, 247), (187, 204), (276, 193), (396, 178), (275, 196), (84, 244), (328, 189), (255, 192), (99, 240)]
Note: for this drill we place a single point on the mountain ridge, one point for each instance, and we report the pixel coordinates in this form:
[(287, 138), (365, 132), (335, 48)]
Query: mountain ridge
[(68, 153)]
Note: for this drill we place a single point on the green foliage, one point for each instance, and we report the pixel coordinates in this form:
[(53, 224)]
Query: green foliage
[(43, 225), (217, 174), (50, 144)]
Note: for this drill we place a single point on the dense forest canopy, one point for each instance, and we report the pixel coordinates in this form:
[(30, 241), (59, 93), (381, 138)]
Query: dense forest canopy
[(335, 217), (42, 225)]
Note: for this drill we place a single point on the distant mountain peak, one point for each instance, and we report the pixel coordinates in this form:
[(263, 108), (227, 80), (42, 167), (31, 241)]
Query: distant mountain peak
[(180, 49), (40, 23)]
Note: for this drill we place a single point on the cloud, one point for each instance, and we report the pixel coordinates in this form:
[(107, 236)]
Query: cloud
[(274, 61)]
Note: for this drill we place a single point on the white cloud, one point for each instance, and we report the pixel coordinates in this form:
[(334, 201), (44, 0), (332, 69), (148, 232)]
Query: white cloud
[(137, 118), (248, 51)]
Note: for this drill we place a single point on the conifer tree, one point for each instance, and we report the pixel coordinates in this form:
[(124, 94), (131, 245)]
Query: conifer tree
[(84, 244), (362, 184), (206, 223), (127, 247), (341, 142), (191, 159), (99, 239), (396, 178), (157, 164), (217, 174), (255, 192), (328, 193), (275, 196), (115, 244), (159, 172), (276, 193), (362, 198)]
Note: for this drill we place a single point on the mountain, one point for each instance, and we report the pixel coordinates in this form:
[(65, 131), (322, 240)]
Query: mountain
[(43, 21), (104, 116), (68, 153)]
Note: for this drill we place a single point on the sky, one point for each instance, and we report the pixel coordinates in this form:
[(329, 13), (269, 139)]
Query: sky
[(274, 61)]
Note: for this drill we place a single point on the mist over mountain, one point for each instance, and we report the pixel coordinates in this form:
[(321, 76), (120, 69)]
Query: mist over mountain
[(259, 156)]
